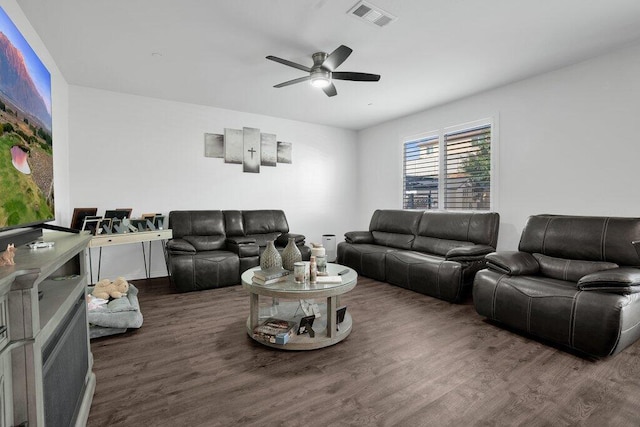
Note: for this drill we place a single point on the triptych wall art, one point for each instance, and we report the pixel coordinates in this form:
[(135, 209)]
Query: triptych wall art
[(249, 147)]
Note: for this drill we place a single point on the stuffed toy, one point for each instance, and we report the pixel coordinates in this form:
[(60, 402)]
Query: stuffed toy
[(7, 256), (105, 288)]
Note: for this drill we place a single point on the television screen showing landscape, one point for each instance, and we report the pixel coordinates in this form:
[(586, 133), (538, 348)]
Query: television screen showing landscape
[(26, 152)]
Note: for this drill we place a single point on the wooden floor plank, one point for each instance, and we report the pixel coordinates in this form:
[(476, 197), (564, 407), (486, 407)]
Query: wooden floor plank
[(410, 360)]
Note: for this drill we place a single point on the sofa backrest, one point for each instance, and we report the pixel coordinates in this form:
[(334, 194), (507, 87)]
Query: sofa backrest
[(233, 223), (441, 231), (264, 222), (203, 229), (394, 228), (588, 238)]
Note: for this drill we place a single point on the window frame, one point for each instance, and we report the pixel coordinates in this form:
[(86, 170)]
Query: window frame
[(492, 122)]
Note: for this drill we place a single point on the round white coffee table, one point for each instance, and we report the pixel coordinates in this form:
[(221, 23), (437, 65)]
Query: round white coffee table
[(290, 295)]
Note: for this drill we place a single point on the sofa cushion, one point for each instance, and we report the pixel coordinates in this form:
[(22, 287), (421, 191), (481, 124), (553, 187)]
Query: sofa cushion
[(196, 223), (180, 245), (582, 238), (283, 239), (441, 231), (569, 269), (262, 239), (595, 323), (392, 240), (427, 274), (469, 253), (204, 270), (368, 260), (207, 243), (265, 221), (436, 245), (514, 263), (358, 237), (233, 223), (394, 228), (624, 280)]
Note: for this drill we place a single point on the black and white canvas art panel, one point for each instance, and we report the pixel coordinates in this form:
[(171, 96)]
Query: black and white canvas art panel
[(284, 152), (251, 161), (269, 148), (213, 145), (233, 145)]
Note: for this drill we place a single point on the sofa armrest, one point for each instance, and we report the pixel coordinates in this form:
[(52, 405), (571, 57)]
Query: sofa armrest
[(243, 246), (240, 240), (283, 239), (513, 263), (622, 280), (358, 237), (180, 245), (469, 253)]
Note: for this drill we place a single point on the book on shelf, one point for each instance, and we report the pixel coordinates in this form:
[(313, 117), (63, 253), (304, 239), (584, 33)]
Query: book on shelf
[(328, 279), (275, 331), (264, 282), (271, 273)]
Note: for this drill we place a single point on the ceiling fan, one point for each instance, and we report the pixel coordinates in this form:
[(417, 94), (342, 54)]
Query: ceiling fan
[(323, 71)]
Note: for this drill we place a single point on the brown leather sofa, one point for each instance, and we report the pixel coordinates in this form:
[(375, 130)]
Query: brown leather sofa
[(574, 281), (436, 253), (211, 248)]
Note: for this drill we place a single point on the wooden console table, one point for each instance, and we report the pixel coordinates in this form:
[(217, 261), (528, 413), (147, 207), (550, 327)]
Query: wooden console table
[(141, 237)]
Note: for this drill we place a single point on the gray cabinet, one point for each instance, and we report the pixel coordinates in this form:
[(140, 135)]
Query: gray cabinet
[(46, 373)]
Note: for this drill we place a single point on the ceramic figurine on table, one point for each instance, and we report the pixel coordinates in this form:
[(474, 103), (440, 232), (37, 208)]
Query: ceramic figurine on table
[(7, 256)]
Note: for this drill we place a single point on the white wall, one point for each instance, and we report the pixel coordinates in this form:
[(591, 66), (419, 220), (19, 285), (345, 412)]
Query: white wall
[(568, 144), (148, 154)]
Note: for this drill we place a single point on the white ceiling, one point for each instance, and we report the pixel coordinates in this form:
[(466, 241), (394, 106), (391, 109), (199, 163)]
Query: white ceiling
[(212, 52)]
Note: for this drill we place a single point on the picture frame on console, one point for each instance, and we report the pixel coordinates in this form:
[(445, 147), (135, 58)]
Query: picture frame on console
[(105, 225), (139, 224), (79, 214), (117, 213), (126, 211), (91, 224), (158, 222)]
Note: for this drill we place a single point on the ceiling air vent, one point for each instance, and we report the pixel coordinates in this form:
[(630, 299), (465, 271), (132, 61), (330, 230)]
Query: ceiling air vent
[(371, 14)]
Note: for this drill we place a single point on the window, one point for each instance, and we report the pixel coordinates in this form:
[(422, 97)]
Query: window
[(449, 170)]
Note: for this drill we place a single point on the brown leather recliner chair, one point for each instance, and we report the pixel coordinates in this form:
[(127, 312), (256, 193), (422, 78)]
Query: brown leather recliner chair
[(575, 281)]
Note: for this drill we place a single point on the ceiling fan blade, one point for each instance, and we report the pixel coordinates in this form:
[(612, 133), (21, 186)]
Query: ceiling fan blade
[(330, 90), (337, 57), (294, 81), (358, 77), (289, 63)]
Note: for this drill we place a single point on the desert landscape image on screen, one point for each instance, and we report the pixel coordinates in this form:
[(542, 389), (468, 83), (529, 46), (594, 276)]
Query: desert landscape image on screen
[(26, 146)]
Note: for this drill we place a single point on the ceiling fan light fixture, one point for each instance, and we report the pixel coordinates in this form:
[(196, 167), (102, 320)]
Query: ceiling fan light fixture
[(320, 78)]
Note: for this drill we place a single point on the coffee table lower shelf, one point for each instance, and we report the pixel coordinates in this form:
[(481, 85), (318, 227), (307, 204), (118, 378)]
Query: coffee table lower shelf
[(305, 342)]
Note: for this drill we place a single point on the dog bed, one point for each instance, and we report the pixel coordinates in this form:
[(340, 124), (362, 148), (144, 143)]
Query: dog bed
[(115, 316)]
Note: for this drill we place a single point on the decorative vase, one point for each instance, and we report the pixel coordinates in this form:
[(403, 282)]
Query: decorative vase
[(290, 255), (270, 258)]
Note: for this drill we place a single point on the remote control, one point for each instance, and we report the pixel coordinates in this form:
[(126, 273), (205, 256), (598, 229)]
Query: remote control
[(38, 245), (345, 271)]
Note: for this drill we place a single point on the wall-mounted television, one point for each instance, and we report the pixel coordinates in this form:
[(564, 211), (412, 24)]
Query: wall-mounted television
[(26, 145)]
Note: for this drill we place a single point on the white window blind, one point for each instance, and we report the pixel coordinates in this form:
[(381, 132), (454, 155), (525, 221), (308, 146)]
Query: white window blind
[(421, 168), (460, 178), (468, 169)]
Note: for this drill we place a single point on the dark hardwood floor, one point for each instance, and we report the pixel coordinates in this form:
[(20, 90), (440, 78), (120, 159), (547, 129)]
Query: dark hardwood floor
[(411, 360)]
